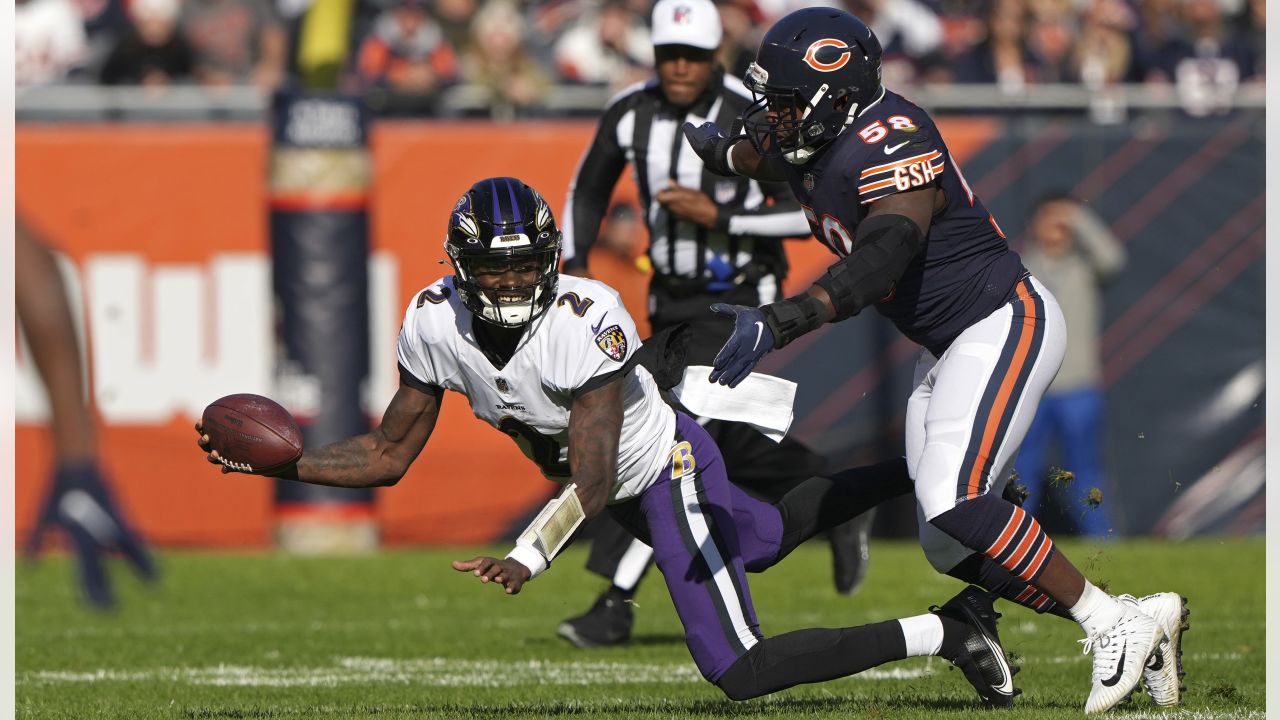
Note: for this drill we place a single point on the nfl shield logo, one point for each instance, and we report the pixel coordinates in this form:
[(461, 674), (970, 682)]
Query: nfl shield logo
[(503, 387), (808, 182), (725, 191), (682, 15)]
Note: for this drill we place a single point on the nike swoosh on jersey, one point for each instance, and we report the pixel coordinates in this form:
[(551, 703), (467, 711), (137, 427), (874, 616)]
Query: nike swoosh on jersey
[(1119, 667), (596, 328), (759, 332), (891, 149)]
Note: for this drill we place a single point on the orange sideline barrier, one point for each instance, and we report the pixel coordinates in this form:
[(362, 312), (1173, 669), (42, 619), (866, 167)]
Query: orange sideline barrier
[(178, 195)]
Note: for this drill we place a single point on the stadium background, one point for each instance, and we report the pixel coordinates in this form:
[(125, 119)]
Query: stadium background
[(162, 208)]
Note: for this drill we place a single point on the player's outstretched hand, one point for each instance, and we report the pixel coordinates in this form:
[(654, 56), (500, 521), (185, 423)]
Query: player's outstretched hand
[(710, 143), (212, 455), (750, 340), (506, 572), (80, 503)]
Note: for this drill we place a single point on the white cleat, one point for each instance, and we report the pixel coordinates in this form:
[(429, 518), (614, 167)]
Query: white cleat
[(1163, 673), (1120, 653)]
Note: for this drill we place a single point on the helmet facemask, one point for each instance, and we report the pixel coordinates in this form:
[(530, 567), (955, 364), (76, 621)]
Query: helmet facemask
[(481, 288), (792, 123)]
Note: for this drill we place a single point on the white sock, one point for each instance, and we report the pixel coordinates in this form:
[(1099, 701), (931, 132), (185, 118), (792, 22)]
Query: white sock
[(923, 634), (1095, 610)]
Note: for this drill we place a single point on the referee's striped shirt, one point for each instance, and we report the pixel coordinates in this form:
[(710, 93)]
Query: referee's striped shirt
[(641, 128)]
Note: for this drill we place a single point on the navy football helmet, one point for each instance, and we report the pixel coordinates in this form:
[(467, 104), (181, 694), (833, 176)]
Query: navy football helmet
[(502, 224), (817, 69)]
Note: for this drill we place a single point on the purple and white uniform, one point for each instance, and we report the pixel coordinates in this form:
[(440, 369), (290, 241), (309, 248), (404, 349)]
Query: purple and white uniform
[(671, 487)]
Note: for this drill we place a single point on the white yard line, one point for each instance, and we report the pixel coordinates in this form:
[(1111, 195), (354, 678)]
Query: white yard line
[(454, 672), (439, 672)]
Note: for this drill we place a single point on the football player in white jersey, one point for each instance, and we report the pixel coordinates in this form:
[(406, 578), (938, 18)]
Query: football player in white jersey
[(551, 361)]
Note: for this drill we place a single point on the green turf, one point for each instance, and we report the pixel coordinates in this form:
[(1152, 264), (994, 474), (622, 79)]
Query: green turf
[(400, 635)]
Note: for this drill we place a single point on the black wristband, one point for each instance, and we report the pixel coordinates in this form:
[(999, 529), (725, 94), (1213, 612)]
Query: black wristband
[(789, 319)]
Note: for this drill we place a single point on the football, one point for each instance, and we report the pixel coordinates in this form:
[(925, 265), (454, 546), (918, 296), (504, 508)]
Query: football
[(252, 433)]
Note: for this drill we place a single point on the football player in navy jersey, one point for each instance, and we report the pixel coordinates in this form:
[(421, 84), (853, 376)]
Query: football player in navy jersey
[(882, 191)]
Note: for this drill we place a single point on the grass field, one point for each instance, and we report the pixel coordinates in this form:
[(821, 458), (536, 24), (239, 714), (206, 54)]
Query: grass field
[(400, 635)]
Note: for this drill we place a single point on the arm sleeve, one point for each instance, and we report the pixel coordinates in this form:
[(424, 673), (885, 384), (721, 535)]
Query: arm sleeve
[(906, 159), (591, 187), (413, 353), (606, 340), (781, 218)]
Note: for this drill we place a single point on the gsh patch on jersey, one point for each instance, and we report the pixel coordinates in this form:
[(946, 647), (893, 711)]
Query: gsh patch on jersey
[(613, 341)]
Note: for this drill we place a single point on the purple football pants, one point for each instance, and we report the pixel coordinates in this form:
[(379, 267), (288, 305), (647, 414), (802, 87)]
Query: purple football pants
[(706, 533)]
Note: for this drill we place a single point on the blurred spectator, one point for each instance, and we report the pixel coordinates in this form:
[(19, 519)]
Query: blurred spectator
[(1074, 254), (1158, 26), (743, 24), (909, 32), (151, 53), (1104, 54), (497, 61), (406, 52), (456, 19), (610, 47), (1051, 40), (1253, 28), (236, 42), (1208, 64), (49, 41), (550, 18), (1003, 56), (105, 22)]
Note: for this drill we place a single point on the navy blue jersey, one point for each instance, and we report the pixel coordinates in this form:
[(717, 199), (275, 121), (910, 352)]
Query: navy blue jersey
[(965, 269)]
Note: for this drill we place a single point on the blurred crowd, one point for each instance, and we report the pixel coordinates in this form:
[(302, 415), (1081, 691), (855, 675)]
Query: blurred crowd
[(513, 51)]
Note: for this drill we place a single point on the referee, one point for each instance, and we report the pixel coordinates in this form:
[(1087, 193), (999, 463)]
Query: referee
[(711, 239)]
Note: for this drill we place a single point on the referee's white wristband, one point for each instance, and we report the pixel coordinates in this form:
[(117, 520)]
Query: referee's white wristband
[(529, 557)]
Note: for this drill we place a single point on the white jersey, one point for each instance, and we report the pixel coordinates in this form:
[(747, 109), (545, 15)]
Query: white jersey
[(579, 343)]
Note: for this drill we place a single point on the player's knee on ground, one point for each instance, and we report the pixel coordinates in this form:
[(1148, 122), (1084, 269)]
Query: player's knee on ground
[(810, 655), (739, 681)]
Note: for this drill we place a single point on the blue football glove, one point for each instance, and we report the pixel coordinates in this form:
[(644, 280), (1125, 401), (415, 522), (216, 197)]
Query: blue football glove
[(80, 503), (750, 340), (709, 143)]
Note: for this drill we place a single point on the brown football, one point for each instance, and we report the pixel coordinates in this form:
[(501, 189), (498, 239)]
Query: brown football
[(252, 433)]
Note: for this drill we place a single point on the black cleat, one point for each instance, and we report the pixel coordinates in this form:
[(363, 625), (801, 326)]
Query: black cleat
[(851, 552), (608, 622), (975, 648)]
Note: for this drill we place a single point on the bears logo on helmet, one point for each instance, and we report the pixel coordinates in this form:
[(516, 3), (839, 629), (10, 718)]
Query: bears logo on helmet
[(841, 59), (817, 69)]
